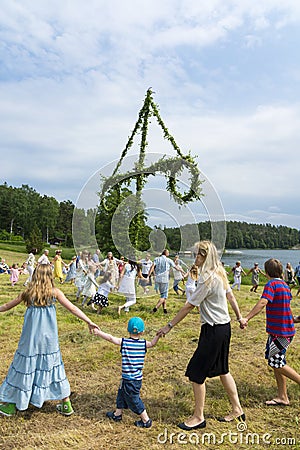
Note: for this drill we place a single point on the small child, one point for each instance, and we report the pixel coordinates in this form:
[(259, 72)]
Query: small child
[(276, 297), (100, 299), (192, 277), (14, 274), (133, 350), (178, 273), (71, 274), (89, 289)]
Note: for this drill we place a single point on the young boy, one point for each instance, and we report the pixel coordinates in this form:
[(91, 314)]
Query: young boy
[(133, 350), (276, 297)]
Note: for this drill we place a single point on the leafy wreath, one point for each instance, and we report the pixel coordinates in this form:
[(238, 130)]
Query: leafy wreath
[(169, 167)]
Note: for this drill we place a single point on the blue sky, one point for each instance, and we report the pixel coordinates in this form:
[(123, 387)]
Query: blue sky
[(226, 75)]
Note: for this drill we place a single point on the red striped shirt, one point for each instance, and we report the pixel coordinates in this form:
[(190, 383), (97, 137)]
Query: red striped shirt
[(279, 318)]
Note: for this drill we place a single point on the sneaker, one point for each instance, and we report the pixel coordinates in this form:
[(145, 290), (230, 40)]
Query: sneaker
[(8, 409), (154, 309), (111, 415), (141, 424), (165, 311), (65, 408)]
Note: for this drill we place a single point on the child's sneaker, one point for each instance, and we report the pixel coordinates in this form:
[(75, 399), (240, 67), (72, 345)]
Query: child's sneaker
[(8, 409), (141, 424), (65, 408), (111, 415)]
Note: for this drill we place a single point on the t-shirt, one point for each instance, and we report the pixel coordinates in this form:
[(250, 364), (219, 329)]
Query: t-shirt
[(43, 259), (146, 266), (177, 273), (279, 318), (104, 288), (212, 301), (237, 271), (162, 266), (133, 353)]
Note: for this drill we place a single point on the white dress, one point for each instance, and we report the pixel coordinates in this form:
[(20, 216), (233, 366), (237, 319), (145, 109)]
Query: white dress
[(127, 283)]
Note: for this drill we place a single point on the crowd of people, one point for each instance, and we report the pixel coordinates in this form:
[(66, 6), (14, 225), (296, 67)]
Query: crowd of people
[(206, 287)]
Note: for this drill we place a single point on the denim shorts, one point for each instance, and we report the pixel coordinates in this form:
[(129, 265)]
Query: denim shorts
[(163, 289), (129, 396)]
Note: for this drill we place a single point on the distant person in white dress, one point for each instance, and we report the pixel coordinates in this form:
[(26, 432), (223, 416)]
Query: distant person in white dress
[(146, 264), (237, 271), (30, 264), (130, 271), (110, 264)]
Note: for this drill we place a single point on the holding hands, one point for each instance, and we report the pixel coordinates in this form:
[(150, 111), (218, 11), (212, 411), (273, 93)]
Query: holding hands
[(164, 330), (243, 323), (93, 327)]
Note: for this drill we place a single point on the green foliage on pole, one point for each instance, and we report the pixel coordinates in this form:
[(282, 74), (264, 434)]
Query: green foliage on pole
[(170, 167)]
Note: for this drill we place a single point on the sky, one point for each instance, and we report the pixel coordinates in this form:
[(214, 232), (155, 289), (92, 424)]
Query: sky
[(225, 74)]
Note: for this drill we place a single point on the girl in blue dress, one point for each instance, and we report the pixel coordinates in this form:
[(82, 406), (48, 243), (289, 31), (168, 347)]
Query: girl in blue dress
[(37, 372)]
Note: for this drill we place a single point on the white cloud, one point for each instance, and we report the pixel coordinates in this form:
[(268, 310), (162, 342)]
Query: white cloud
[(73, 77)]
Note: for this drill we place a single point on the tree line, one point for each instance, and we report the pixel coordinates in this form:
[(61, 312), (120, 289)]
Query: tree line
[(24, 212), (27, 215), (239, 235)]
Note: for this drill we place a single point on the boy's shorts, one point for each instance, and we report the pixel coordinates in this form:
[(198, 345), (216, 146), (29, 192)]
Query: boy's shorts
[(129, 396), (276, 348), (163, 289)]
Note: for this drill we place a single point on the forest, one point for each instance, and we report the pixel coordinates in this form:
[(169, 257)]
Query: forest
[(25, 214), (240, 235)]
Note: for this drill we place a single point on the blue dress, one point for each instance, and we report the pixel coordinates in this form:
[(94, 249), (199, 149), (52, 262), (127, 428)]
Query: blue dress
[(71, 274), (37, 373)]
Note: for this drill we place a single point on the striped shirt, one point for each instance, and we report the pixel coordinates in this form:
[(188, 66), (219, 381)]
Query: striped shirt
[(133, 353), (278, 311)]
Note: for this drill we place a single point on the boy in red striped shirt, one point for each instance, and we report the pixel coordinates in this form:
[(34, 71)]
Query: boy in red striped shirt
[(276, 297)]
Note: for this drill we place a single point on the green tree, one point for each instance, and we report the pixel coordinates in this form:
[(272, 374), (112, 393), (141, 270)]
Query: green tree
[(35, 240), (115, 226)]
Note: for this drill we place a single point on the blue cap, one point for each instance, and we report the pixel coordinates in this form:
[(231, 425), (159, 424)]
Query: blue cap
[(135, 325)]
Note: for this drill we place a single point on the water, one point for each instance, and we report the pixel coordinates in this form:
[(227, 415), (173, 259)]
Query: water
[(249, 257)]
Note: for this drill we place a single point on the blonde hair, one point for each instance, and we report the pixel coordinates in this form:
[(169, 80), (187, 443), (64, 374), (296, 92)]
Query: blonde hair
[(40, 289), (194, 272), (212, 265)]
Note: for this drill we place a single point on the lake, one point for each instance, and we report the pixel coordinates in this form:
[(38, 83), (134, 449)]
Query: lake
[(249, 257)]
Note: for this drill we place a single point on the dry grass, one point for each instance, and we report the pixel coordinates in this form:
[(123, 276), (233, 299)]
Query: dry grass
[(93, 369)]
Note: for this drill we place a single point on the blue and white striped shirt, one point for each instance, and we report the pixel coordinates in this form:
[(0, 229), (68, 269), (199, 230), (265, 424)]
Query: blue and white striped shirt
[(133, 353)]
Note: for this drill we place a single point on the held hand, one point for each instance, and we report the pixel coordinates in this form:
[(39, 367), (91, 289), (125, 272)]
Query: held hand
[(97, 331), (163, 331), (93, 327), (243, 323)]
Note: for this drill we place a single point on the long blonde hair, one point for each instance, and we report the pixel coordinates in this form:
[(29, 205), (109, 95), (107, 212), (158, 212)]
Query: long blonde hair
[(194, 272), (40, 289), (212, 265)]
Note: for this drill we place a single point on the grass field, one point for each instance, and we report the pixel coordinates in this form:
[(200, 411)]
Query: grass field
[(93, 369)]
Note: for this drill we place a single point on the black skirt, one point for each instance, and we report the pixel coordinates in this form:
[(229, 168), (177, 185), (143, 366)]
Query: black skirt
[(211, 356)]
